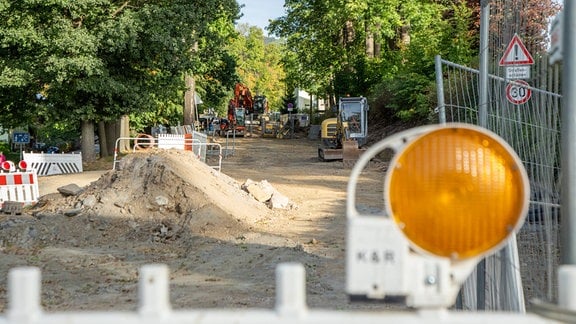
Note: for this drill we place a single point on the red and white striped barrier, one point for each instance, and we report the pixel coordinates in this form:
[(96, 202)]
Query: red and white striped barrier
[(18, 186)]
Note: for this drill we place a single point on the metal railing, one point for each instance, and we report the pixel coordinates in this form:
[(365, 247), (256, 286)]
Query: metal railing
[(199, 148), (533, 130)]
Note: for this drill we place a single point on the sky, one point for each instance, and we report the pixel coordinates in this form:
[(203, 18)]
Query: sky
[(258, 12)]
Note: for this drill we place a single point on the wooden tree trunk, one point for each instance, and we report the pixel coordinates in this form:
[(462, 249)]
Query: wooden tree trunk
[(124, 132), (369, 42), (189, 101), (102, 139), (377, 48), (348, 33), (112, 133), (405, 35), (115, 130), (87, 141)]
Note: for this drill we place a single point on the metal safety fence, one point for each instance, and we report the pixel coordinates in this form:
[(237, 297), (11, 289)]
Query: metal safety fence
[(209, 153), (532, 127)]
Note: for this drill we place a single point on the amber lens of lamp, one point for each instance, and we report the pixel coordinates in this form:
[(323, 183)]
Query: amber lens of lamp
[(456, 192)]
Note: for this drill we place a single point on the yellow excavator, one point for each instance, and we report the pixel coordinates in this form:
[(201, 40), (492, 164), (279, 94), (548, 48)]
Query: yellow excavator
[(343, 136)]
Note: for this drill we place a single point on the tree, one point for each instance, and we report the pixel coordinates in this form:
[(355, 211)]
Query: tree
[(384, 47), (259, 64), (334, 42), (288, 99), (98, 60)]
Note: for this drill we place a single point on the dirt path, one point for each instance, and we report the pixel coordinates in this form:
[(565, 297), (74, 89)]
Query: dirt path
[(90, 260), (50, 184)]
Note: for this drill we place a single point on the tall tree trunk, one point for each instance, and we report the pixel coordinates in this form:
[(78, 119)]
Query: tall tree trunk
[(102, 139), (87, 141), (405, 35), (349, 33), (369, 42), (377, 48), (189, 101), (112, 133), (377, 41), (124, 132)]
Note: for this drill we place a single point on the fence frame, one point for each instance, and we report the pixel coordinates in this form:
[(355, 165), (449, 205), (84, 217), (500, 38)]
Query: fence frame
[(547, 100), (199, 148)]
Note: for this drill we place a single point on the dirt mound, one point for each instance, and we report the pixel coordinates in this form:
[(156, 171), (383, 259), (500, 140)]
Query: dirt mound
[(158, 195)]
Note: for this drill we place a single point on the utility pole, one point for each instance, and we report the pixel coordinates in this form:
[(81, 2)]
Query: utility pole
[(567, 135), (482, 121)]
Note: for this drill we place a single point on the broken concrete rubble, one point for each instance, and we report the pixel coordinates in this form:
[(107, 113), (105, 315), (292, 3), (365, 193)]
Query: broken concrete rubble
[(261, 191), (70, 190), (264, 192)]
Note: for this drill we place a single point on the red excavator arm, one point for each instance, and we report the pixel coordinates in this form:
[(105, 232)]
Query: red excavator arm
[(243, 98)]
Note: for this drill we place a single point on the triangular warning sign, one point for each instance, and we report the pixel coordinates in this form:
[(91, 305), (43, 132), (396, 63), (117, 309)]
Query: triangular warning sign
[(516, 53)]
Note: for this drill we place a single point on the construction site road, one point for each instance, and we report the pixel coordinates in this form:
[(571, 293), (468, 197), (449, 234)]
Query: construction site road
[(221, 245), (50, 184)]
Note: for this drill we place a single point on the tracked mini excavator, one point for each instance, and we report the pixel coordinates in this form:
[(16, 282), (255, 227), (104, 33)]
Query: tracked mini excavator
[(342, 137)]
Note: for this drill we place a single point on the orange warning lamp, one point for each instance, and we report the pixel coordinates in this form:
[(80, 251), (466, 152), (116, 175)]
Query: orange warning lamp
[(457, 191), (22, 165)]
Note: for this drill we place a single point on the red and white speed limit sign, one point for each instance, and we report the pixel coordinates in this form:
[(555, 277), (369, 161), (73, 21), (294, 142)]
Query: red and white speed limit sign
[(518, 92)]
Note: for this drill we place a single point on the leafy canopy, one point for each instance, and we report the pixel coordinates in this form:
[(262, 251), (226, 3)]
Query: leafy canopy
[(100, 59)]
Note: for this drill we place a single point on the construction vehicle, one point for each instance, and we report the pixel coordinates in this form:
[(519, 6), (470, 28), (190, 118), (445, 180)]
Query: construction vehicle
[(343, 136), (270, 124), (244, 109), (237, 111), (260, 107)]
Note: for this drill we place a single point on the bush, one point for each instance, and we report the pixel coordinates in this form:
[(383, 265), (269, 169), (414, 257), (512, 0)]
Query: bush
[(4, 147)]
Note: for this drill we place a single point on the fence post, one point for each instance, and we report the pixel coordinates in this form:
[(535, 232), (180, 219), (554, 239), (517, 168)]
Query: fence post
[(440, 90), (290, 289), (24, 295), (154, 296)]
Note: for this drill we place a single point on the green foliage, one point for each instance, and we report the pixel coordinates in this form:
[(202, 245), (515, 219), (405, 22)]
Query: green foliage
[(100, 59), (289, 98), (4, 147), (259, 64), (409, 94), (214, 84), (404, 98), (383, 49), (167, 113), (217, 72), (64, 135), (458, 42), (415, 97)]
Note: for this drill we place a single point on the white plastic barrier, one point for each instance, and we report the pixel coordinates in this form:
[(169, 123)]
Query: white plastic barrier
[(50, 164), (180, 141), (19, 186), (171, 141), (183, 142), (24, 306)]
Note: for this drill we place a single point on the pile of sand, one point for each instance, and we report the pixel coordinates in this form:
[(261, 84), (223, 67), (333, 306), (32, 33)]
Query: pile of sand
[(158, 195)]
